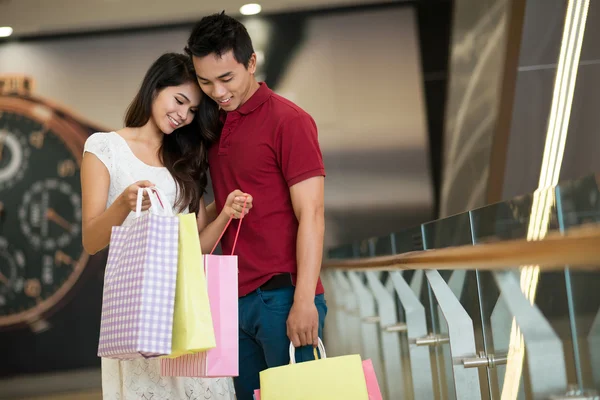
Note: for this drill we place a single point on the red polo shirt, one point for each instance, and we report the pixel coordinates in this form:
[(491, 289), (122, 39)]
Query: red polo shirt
[(266, 146)]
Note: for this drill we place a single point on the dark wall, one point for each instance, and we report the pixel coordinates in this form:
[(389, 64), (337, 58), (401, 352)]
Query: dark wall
[(435, 22)]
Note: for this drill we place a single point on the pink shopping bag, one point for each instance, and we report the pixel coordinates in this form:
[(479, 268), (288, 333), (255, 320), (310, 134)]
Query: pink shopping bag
[(371, 378), (223, 360)]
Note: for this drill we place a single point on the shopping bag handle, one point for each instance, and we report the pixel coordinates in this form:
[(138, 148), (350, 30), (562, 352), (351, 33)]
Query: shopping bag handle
[(321, 350), (161, 197), (236, 234), (157, 200)]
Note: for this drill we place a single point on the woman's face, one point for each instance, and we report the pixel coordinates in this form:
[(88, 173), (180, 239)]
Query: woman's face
[(175, 106)]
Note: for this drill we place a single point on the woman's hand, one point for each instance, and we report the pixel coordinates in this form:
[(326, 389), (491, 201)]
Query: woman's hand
[(235, 203), (129, 195)]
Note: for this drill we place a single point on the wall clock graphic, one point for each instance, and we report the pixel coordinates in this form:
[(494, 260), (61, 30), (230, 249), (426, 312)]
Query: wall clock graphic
[(41, 255)]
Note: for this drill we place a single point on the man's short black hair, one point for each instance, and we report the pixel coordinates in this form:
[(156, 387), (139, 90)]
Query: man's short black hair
[(217, 34)]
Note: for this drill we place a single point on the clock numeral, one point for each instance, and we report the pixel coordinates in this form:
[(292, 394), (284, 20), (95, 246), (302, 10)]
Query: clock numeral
[(33, 288), (35, 215), (66, 168), (61, 258), (37, 139), (47, 275)]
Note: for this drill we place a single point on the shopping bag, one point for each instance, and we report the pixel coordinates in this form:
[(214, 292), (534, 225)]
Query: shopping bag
[(373, 389), (193, 330), (337, 378), (139, 284), (371, 379), (223, 360)]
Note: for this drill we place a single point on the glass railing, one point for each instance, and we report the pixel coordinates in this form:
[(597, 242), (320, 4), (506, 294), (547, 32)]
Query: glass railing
[(501, 302)]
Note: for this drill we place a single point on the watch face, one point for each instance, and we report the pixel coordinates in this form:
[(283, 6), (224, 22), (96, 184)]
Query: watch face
[(41, 254)]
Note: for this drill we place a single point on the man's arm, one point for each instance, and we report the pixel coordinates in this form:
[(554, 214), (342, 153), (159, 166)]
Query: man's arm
[(308, 203)]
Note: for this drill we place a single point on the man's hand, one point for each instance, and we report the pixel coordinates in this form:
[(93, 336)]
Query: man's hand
[(303, 324)]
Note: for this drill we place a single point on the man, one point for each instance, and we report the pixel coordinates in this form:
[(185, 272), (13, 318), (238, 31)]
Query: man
[(268, 148)]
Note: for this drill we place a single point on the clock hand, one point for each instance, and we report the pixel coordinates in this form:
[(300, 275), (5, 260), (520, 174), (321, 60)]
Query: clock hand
[(4, 279), (62, 258), (57, 219)]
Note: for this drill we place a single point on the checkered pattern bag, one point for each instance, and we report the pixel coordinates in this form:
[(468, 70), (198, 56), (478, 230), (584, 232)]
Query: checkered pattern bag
[(139, 284)]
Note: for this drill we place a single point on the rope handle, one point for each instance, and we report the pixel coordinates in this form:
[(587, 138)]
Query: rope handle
[(236, 234), (320, 346)]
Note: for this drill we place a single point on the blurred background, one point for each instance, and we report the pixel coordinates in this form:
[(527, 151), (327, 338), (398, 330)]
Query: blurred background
[(425, 109)]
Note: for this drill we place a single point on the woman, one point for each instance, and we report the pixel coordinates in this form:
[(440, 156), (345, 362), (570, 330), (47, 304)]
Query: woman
[(168, 129)]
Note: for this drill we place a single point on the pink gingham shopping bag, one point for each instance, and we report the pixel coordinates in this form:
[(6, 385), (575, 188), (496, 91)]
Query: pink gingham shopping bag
[(223, 360), (139, 284)]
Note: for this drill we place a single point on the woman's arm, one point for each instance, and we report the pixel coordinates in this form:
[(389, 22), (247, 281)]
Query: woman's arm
[(211, 230), (211, 212), (97, 220)]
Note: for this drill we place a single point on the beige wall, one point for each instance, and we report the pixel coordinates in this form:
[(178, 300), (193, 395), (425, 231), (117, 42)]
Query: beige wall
[(95, 76)]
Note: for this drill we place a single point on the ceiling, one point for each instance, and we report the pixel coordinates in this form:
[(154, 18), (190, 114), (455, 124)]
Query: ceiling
[(50, 17)]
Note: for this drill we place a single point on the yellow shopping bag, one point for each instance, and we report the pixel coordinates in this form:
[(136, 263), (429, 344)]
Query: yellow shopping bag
[(337, 378), (193, 330)]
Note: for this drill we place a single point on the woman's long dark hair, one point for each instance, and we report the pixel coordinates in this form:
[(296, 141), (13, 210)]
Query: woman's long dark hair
[(185, 151)]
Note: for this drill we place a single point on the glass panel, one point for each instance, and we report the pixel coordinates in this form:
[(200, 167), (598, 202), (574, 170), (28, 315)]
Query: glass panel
[(541, 336), (384, 245), (502, 221), (578, 203), (345, 251), (530, 216), (451, 231), (408, 240)]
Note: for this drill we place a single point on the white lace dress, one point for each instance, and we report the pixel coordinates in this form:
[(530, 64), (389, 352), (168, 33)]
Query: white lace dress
[(140, 378)]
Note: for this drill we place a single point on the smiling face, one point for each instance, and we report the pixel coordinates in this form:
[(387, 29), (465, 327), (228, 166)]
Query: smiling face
[(175, 106), (225, 80)]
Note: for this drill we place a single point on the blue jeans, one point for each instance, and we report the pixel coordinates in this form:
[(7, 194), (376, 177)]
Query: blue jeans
[(263, 336)]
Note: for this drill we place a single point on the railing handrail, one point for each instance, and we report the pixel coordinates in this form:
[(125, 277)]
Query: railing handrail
[(579, 247)]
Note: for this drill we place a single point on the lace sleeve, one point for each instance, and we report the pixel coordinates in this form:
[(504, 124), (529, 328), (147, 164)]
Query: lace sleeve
[(99, 144)]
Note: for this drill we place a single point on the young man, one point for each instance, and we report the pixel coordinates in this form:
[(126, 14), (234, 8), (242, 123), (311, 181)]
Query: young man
[(268, 148)]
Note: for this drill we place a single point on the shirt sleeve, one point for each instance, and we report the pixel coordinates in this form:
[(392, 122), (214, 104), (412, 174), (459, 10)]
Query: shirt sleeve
[(99, 145), (299, 154)]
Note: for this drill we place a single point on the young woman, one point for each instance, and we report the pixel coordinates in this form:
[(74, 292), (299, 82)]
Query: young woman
[(168, 129)]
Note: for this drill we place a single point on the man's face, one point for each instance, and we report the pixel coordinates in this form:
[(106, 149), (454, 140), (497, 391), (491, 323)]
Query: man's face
[(225, 80)]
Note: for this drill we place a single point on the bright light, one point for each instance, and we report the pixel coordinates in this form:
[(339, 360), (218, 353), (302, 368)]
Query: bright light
[(250, 9), (5, 31)]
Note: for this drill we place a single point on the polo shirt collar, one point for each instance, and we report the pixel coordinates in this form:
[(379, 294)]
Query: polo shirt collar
[(258, 98)]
